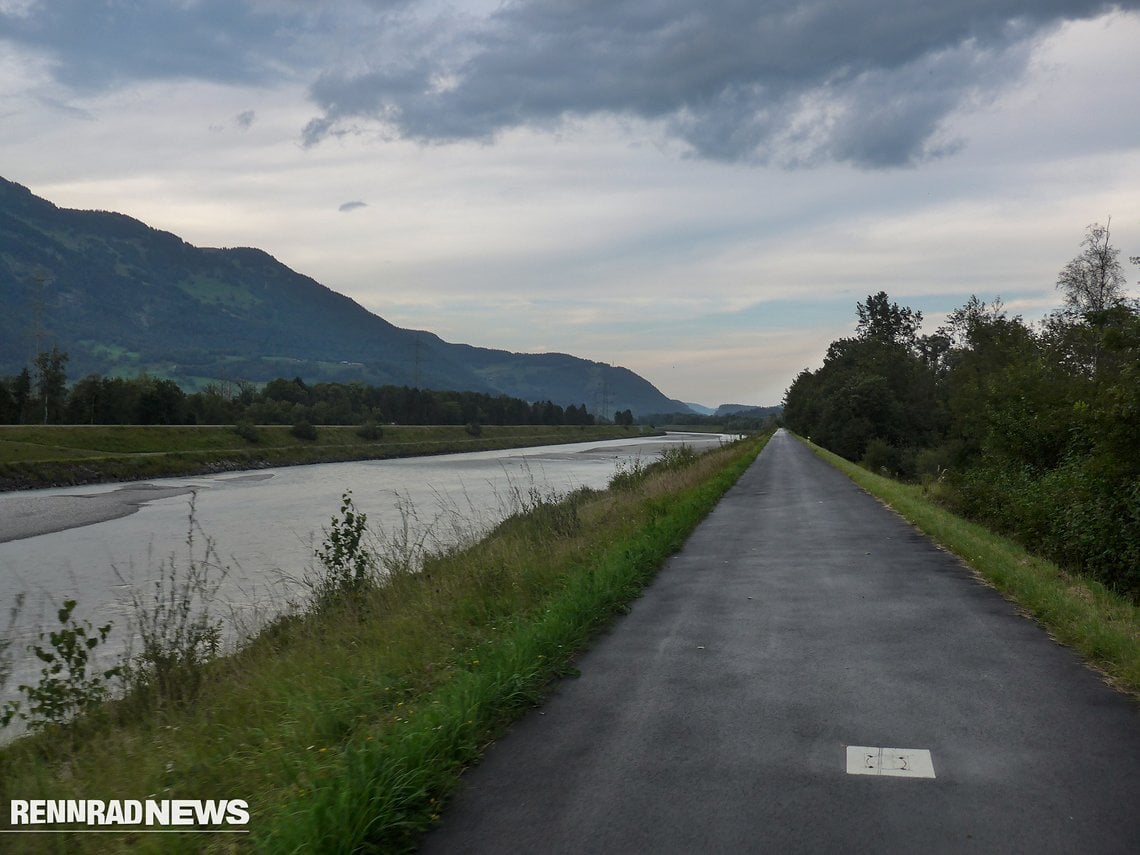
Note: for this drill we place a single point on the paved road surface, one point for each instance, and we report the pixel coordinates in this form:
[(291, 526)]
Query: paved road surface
[(802, 618)]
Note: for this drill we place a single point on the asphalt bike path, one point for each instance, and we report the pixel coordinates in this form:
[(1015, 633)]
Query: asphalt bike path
[(790, 682)]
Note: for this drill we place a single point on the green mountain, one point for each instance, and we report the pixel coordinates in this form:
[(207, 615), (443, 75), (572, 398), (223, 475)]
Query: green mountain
[(122, 298)]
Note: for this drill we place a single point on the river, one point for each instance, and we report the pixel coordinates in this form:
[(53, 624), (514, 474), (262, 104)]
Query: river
[(95, 544)]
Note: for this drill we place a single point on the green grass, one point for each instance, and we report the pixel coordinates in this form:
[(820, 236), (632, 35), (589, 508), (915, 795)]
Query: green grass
[(1078, 612), (15, 451), (43, 455), (212, 290), (347, 730)]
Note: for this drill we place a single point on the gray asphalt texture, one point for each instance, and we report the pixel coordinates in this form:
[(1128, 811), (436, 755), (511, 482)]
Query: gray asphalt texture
[(802, 617)]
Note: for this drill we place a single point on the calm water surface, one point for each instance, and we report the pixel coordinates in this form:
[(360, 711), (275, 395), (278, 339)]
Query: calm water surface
[(264, 526)]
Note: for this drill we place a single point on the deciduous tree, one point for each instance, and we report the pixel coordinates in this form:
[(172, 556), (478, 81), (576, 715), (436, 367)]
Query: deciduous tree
[(51, 382), (1094, 280)]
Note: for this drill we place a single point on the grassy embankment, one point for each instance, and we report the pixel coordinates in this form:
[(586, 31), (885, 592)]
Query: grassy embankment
[(1078, 612), (347, 727), (47, 455)]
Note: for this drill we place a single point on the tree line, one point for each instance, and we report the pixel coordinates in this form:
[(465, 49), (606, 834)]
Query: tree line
[(1031, 429), (41, 395), (752, 419)]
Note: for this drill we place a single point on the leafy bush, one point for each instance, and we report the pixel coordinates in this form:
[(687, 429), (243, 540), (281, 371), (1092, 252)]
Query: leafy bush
[(473, 429), (247, 431), (881, 457), (933, 464), (304, 430), (1078, 514), (1089, 518), (677, 457), (6, 642), (629, 474), (67, 687), (370, 430), (348, 563)]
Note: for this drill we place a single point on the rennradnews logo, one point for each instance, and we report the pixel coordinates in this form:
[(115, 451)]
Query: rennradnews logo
[(90, 814)]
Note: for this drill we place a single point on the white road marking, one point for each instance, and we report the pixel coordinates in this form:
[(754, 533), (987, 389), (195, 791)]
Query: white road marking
[(889, 762)]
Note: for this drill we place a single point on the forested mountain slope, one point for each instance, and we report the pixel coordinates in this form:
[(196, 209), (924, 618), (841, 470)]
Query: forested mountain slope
[(121, 298)]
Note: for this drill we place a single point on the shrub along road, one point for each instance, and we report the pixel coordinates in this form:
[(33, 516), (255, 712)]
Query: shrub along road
[(802, 619)]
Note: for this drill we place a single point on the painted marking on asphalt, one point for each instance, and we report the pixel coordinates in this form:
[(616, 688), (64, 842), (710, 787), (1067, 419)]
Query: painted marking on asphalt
[(889, 762)]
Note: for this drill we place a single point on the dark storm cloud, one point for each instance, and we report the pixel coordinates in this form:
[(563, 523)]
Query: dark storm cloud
[(863, 81), (869, 82), (94, 44)]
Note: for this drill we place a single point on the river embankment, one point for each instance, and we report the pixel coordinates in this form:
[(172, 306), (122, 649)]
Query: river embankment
[(40, 456), (101, 544)]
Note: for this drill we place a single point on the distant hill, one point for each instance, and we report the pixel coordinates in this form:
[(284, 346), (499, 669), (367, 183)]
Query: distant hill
[(122, 298), (746, 410), (727, 416), (700, 409)]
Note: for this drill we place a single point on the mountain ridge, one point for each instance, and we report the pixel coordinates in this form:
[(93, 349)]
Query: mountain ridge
[(122, 297)]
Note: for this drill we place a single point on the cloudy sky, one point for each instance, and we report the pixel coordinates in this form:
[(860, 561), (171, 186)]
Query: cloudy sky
[(698, 191)]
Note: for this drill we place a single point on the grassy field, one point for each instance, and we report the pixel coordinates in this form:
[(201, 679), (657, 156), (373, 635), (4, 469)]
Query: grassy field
[(346, 727), (1081, 613), (47, 455)]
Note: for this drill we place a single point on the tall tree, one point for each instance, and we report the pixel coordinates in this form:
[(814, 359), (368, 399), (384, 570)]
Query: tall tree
[(8, 413), (1094, 280), (51, 382), (880, 385), (22, 394), (161, 402), (887, 322)]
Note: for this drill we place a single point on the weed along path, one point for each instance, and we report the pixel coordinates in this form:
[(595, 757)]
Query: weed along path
[(809, 674)]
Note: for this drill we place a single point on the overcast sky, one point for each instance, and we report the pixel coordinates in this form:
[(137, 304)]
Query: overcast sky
[(700, 192)]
